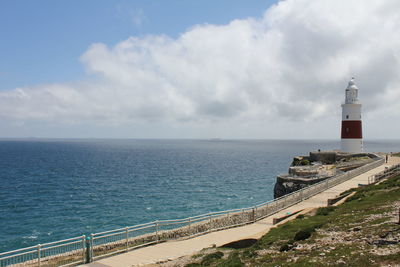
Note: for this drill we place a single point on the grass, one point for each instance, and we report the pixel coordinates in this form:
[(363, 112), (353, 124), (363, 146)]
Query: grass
[(334, 236), (232, 261), (325, 210), (210, 258)]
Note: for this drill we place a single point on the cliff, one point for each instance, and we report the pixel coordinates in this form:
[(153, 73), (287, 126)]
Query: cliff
[(318, 166)]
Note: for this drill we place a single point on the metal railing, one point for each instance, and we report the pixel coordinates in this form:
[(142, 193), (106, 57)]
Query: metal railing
[(386, 173), (119, 240), (65, 252)]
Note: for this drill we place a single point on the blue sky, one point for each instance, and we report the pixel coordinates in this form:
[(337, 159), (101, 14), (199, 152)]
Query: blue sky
[(41, 41), (196, 69)]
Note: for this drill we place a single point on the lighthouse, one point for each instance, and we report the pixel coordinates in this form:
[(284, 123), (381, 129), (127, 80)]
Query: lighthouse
[(351, 121)]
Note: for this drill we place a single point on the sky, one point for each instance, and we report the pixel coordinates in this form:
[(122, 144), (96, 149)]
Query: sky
[(197, 69)]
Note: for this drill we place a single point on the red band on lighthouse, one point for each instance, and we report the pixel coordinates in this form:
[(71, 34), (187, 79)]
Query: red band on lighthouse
[(351, 129)]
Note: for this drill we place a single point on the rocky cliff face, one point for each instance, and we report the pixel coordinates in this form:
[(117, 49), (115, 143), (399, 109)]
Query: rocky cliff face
[(318, 166), (286, 185)]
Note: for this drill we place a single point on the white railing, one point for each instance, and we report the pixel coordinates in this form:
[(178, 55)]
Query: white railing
[(65, 252), (387, 172), (115, 241)]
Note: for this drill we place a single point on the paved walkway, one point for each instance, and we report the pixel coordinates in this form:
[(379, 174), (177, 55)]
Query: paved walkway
[(175, 249)]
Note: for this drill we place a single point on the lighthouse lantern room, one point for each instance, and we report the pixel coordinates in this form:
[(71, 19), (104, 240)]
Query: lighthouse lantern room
[(351, 121)]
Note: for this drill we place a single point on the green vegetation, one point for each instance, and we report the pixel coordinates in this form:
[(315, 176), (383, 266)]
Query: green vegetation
[(305, 162), (363, 231), (195, 256), (210, 258), (232, 261), (396, 154), (303, 234), (355, 159), (300, 161), (325, 210)]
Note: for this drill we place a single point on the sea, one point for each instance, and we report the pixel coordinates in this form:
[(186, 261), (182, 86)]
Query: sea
[(52, 189)]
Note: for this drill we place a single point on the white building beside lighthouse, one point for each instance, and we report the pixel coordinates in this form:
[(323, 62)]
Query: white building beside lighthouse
[(351, 121)]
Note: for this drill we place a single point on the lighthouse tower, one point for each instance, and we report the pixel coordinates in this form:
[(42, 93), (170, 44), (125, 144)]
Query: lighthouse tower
[(351, 121)]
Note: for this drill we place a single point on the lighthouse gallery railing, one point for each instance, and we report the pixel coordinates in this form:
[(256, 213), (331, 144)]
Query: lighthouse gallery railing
[(85, 249)]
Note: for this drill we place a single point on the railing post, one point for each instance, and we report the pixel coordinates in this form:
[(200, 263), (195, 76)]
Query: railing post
[(126, 238), (254, 214), (88, 250), (38, 254), (91, 247), (157, 238), (83, 249)]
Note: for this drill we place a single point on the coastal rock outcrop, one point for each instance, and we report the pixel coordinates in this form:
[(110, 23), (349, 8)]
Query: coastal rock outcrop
[(286, 185), (318, 166)]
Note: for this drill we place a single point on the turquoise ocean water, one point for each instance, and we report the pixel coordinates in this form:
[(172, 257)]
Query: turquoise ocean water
[(56, 189)]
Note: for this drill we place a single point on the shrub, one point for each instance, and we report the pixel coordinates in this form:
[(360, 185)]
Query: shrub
[(284, 247), (303, 234), (232, 261), (325, 210), (210, 258), (250, 253), (357, 196)]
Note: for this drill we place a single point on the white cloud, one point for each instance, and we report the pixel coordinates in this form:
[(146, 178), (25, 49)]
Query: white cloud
[(291, 64)]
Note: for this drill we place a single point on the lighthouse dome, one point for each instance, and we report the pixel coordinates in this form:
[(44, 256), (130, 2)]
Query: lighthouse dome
[(352, 84)]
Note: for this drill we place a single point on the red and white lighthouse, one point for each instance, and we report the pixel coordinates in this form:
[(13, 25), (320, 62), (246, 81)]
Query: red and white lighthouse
[(351, 121)]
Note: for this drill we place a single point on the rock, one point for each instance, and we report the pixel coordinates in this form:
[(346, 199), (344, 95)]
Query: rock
[(383, 235), (285, 184), (319, 166), (382, 242)]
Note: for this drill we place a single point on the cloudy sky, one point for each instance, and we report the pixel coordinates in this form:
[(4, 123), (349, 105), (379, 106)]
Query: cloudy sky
[(197, 69)]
